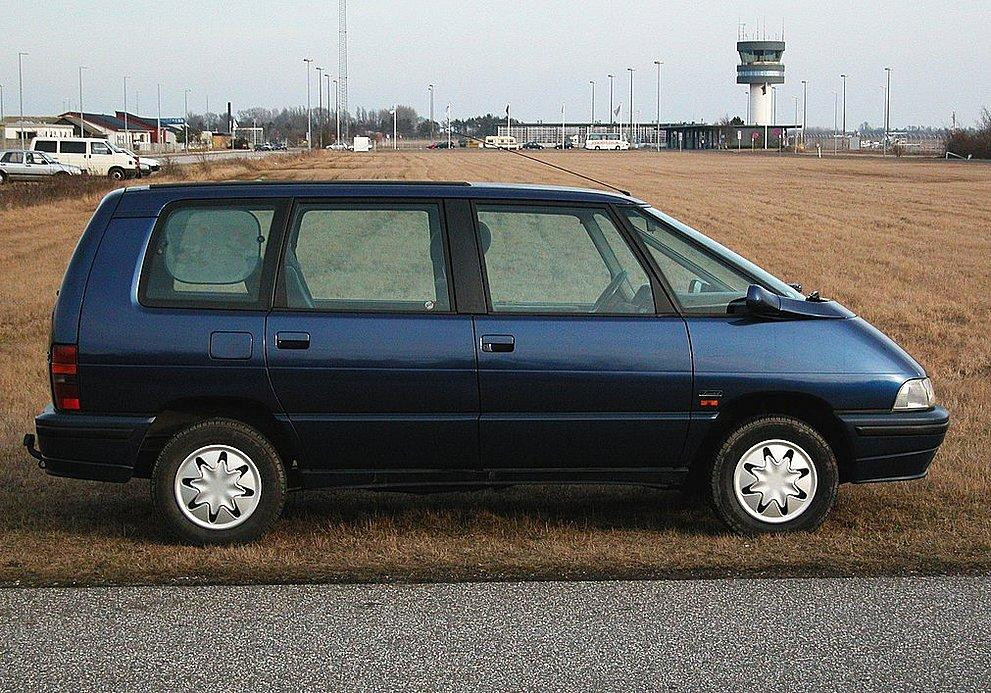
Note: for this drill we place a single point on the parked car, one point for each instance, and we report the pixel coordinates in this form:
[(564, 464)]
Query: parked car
[(93, 155), (263, 147), (234, 341), (146, 164), (337, 146), (443, 145), (18, 165), (531, 145), (606, 140)]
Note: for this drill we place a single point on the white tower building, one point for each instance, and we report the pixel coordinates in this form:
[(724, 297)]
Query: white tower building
[(760, 67)]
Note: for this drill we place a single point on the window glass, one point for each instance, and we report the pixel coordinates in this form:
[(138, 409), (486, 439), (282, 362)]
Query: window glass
[(211, 255), (367, 257), (568, 260), (45, 146), (14, 157), (36, 158), (72, 147), (99, 148), (702, 282)]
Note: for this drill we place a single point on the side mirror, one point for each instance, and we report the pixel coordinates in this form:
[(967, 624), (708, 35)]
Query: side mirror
[(760, 301)]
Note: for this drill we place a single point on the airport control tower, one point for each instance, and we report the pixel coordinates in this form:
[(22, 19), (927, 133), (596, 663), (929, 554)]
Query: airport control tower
[(760, 67)]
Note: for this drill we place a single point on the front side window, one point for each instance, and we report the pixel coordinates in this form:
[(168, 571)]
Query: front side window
[(568, 260), (367, 258), (100, 148), (705, 277), (209, 255)]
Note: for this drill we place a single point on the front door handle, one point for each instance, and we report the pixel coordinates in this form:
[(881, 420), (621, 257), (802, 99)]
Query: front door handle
[(498, 343), (292, 340)]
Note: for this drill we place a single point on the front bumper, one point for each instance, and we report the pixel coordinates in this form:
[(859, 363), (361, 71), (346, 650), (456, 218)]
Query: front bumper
[(893, 446), (87, 446)]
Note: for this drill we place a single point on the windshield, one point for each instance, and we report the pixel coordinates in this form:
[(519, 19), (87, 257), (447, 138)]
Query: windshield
[(706, 277)]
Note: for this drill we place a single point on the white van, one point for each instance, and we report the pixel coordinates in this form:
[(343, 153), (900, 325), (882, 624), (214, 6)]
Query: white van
[(606, 140), (500, 142), (94, 156)]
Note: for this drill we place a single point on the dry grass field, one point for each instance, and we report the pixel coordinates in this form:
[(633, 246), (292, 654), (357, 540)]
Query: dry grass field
[(906, 244)]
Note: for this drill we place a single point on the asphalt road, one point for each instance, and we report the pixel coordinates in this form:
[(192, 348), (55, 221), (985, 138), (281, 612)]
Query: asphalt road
[(759, 635)]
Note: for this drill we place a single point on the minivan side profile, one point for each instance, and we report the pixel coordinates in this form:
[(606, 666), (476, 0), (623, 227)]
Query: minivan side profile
[(93, 155), (230, 342)]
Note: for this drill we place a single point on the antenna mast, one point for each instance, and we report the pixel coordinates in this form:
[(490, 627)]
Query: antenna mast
[(342, 63)]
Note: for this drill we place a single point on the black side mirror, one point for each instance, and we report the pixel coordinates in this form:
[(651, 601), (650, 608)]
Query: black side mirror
[(797, 287), (760, 301)]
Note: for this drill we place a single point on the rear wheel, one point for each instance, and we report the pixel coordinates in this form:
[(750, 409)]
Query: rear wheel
[(774, 474), (116, 174), (219, 482), (3, 177)]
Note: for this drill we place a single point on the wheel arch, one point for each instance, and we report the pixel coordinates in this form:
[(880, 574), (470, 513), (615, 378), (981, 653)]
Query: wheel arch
[(183, 413), (812, 410)]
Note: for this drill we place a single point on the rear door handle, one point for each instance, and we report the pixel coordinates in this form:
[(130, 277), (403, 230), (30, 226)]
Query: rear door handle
[(498, 343), (292, 340)]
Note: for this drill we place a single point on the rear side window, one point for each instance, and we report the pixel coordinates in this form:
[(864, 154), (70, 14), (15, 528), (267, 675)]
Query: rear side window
[(367, 257), (72, 147), (13, 158), (45, 146), (211, 256)]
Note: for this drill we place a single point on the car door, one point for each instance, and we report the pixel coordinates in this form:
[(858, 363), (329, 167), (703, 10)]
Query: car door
[(41, 167), (583, 365), (13, 166), (372, 365)]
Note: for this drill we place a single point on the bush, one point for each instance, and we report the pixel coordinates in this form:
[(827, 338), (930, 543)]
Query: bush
[(972, 143)]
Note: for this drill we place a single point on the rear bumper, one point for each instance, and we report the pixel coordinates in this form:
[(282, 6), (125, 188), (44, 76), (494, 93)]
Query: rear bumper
[(893, 446), (87, 446)]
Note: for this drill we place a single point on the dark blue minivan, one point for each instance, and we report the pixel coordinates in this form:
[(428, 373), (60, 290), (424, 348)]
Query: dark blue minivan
[(231, 341)]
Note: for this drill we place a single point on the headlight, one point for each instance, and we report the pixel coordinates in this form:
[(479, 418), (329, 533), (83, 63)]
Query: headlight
[(915, 394)]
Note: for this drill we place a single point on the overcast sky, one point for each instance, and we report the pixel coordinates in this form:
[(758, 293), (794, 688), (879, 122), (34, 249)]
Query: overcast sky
[(482, 55)]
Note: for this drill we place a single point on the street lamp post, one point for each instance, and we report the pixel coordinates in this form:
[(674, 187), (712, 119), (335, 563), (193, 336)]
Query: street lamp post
[(158, 123), (591, 119), (805, 108), (657, 124), (126, 138), (3, 124), (185, 119), (319, 104), (844, 106), (309, 122), (326, 76), (81, 68), (631, 71), (20, 93), (430, 89), (887, 109), (610, 100), (835, 143), (337, 112)]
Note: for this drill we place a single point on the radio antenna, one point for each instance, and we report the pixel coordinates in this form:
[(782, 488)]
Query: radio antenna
[(547, 163)]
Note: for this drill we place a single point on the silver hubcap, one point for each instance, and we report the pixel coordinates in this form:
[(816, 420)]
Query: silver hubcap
[(217, 487), (775, 481)]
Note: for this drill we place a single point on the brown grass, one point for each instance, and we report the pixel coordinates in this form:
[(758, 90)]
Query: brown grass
[(907, 244)]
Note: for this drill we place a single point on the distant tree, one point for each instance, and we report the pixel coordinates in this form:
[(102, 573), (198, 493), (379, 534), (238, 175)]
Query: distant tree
[(973, 142)]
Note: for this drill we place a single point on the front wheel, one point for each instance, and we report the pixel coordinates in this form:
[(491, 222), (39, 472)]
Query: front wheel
[(774, 474), (219, 482), (116, 174)]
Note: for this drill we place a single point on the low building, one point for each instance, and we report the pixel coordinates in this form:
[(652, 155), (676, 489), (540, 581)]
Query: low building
[(132, 135), (14, 129), (669, 136)]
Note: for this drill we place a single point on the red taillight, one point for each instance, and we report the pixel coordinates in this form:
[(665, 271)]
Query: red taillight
[(64, 373)]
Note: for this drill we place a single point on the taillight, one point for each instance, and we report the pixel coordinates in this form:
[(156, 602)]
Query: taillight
[(65, 376)]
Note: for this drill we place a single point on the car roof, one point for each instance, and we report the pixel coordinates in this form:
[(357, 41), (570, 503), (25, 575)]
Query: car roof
[(148, 200)]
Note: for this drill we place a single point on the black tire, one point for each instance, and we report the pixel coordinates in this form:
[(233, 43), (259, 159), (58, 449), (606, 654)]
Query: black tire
[(3, 177), (225, 432), (116, 174), (749, 435)]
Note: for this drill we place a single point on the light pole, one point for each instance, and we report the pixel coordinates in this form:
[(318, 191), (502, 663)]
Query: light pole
[(430, 89), (844, 106), (805, 108), (591, 119), (631, 71), (835, 143), (158, 123), (3, 123), (185, 119), (20, 93), (746, 114), (657, 124), (887, 109), (610, 100), (319, 105), (81, 68), (326, 76), (126, 138), (337, 112), (309, 123)]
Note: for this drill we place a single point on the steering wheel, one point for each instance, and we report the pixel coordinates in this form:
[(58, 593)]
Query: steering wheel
[(610, 292)]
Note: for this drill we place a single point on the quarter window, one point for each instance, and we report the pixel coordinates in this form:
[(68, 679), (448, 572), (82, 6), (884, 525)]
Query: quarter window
[(367, 257), (210, 256), (547, 259), (45, 146)]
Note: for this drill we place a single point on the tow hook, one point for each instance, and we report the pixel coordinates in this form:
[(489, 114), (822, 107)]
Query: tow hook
[(29, 441)]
